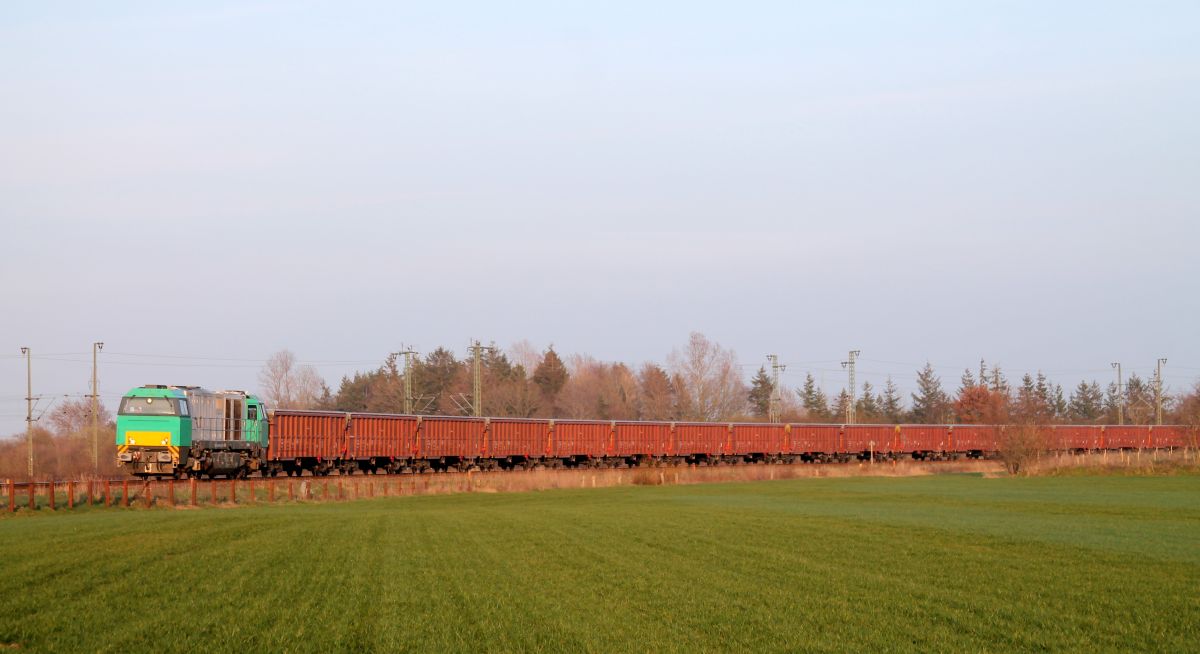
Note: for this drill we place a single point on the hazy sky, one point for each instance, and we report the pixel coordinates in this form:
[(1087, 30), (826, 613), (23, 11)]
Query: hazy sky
[(1018, 181)]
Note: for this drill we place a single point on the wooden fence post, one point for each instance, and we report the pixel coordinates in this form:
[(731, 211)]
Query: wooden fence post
[(90, 500), (125, 493), (12, 496), (148, 492), (271, 491), (107, 493), (70, 494), (291, 491), (192, 483)]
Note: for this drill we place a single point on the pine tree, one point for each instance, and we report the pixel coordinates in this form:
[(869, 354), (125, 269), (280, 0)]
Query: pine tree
[(356, 393), (997, 381), (326, 401), (890, 408), (1086, 404), (434, 379), (761, 391), (550, 376), (816, 405), (1112, 405), (1058, 403), (1139, 401), (1038, 400), (930, 405), (967, 381), (867, 406), (1046, 397)]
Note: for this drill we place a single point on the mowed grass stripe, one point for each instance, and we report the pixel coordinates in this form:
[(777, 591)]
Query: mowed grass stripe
[(919, 564)]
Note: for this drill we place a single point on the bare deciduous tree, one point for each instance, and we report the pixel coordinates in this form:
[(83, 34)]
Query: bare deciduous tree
[(285, 384), (711, 385), (598, 390), (74, 418), (524, 354)]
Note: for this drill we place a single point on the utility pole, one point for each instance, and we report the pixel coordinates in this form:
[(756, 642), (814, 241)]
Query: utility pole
[(408, 367), (96, 347), (776, 400), (1120, 395), (29, 405), (408, 394), (477, 353), (1158, 393), (849, 365)]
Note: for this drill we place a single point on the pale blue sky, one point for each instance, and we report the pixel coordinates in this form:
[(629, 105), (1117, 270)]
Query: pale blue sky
[(937, 181)]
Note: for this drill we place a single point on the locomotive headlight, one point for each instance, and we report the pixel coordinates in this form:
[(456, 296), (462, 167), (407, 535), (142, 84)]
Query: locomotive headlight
[(165, 457), (124, 456)]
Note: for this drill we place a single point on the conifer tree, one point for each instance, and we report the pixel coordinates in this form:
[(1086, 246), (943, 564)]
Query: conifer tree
[(1086, 404), (1139, 401), (761, 391), (867, 406), (967, 381), (930, 405), (997, 381), (890, 408), (550, 376), (1059, 403), (1113, 401), (816, 405)]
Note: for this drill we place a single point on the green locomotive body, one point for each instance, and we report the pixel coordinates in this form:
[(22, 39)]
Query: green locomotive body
[(177, 431)]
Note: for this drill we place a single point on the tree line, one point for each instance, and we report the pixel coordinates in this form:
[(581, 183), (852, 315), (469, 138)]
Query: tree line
[(62, 445), (990, 398), (700, 381)]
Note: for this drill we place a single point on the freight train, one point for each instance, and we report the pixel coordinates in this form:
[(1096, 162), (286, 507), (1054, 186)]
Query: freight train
[(188, 431)]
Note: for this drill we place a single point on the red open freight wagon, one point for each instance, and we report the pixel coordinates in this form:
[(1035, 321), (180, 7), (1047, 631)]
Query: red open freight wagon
[(518, 440)]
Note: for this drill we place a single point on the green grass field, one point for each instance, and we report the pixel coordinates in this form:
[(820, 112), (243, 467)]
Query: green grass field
[(949, 563)]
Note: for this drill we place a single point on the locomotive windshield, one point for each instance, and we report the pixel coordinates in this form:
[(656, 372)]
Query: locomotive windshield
[(148, 406)]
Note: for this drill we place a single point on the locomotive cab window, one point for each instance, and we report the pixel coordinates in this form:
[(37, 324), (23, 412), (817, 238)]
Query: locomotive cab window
[(183, 407), (252, 412), (148, 406)]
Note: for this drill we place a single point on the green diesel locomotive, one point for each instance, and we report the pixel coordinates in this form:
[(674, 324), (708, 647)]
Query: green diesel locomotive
[(179, 431)]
